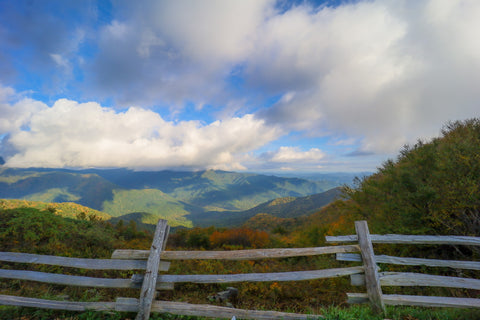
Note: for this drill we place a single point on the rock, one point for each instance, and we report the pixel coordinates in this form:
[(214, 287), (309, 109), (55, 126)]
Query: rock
[(227, 296)]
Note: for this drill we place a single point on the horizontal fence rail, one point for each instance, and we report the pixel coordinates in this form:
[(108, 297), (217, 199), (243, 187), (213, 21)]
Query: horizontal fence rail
[(262, 277), (81, 281), (82, 263), (202, 310), (456, 264), (410, 239), (427, 280), (409, 279), (252, 254), (57, 305)]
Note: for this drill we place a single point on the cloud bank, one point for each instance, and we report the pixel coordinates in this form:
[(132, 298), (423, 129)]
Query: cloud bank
[(376, 73), (87, 135), (387, 71)]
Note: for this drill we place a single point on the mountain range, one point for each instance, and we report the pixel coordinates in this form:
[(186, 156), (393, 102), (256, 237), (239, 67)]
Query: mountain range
[(287, 207), (183, 198)]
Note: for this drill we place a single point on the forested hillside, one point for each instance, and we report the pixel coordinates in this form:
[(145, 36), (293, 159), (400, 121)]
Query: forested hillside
[(56, 231), (64, 209), (55, 185), (288, 207), (432, 187), (170, 195)]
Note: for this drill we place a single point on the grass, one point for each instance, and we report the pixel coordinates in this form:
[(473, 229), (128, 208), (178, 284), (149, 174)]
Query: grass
[(360, 312), (355, 312)]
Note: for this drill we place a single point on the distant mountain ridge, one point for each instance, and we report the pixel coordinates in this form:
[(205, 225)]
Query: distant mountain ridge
[(179, 197), (288, 207)]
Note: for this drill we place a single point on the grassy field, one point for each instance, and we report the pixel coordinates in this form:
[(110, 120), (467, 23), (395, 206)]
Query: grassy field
[(329, 313)]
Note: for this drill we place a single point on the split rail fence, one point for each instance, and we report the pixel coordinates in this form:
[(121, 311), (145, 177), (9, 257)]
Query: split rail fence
[(156, 260), (374, 280)]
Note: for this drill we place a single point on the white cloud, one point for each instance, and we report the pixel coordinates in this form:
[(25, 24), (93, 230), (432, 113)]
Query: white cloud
[(14, 116), (87, 135), (386, 71), (59, 60), (334, 62), (209, 31), (174, 51), (293, 154), (289, 158)]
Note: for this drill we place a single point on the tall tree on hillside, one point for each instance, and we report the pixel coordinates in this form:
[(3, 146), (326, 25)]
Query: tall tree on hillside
[(433, 187)]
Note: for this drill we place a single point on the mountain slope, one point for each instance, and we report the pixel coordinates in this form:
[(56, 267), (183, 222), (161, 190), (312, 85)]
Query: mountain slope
[(175, 196), (65, 209), (220, 190), (86, 189), (152, 201), (288, 207), (143, 220)]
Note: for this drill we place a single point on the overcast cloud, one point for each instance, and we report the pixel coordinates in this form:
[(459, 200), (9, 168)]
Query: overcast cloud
[(232, 84)]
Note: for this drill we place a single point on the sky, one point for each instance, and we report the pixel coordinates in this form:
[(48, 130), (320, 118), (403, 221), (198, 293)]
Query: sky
[(250, 85)]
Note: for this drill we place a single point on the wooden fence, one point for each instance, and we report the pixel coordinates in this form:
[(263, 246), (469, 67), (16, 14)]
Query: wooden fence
[(373, 280), (156, 260)]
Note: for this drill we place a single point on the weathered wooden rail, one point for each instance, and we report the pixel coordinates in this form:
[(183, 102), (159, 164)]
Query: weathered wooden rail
[(374, 280), (155, 262)]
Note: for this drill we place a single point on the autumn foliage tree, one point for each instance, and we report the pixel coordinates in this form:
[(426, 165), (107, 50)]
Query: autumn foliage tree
[(243, 237)]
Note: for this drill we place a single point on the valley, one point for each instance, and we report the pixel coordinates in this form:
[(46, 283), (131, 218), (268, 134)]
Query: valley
[(185, 199)]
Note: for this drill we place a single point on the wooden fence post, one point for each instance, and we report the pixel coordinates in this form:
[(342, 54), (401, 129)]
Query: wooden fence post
[(372, 280), (147, 294)]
